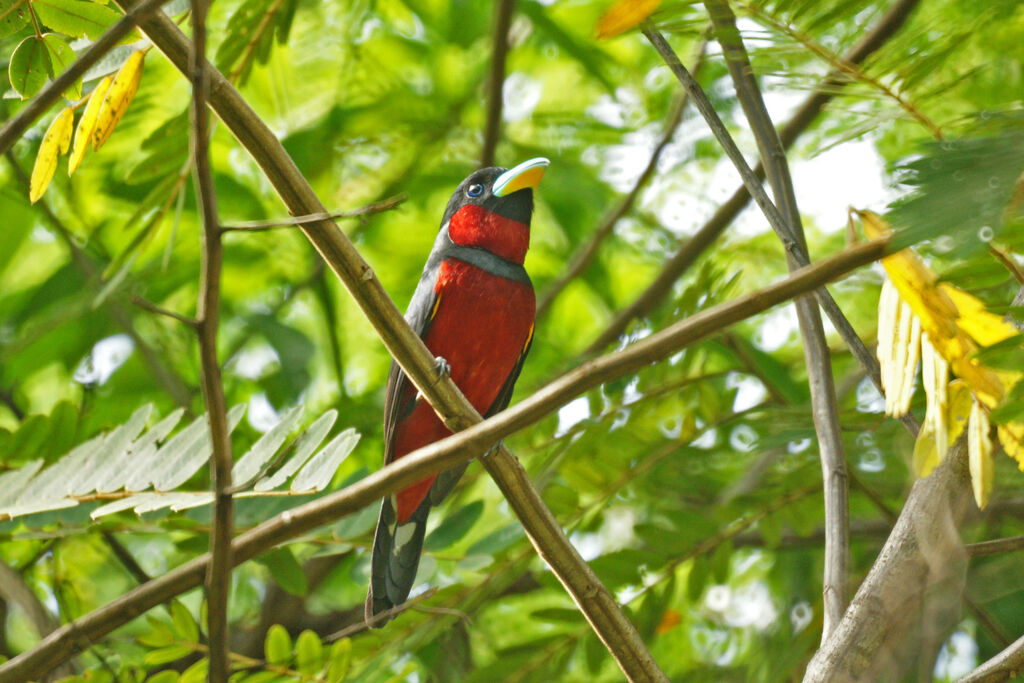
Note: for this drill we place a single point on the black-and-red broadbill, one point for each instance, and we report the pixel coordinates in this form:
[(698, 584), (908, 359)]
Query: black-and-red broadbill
[(473, 308)]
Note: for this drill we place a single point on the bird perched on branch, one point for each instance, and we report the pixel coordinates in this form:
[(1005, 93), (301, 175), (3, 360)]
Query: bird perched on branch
[(474, 309)]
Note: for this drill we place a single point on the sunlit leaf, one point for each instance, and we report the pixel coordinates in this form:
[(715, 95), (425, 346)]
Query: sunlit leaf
[(14, 15), (979, 449), (75, 17), (55, 142), (87, 124), (120, 94), (30, 66), (61, 57)]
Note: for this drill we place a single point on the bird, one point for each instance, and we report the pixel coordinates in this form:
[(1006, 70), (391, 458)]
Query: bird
[(474, 309)]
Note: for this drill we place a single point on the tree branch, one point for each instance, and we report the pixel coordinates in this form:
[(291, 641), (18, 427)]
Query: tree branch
[(918, 571), (438, 456), (687, 255), (496, 84), (816, 352), (1004, 666), (218, 578), (787, 226), (16, 127), (368, 210), (583, 257)]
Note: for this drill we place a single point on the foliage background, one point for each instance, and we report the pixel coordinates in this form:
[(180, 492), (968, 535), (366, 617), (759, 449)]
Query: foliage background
[(693, 486)]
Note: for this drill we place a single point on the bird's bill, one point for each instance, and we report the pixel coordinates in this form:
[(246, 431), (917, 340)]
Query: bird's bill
[(525, 175)]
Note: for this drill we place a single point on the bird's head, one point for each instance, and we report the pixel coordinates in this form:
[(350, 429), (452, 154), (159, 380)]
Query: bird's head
[(491, 209)]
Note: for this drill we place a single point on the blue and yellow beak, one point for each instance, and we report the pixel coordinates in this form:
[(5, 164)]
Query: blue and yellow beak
[(526, 175)]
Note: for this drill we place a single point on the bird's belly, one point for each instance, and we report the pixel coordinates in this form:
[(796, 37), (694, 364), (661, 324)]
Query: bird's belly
[(482, 324)]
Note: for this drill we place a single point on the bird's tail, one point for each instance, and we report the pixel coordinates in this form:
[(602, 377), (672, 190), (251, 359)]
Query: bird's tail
[(396, 557)]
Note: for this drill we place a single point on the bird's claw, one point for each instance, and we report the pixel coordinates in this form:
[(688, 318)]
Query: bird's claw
[(492, 449), (444, 369)]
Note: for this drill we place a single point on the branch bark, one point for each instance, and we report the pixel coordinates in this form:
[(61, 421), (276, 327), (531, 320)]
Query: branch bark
[(786, 224), (496, 84), (687, 255), (817, 357), (444, 454), (218, 578), (913, 587)]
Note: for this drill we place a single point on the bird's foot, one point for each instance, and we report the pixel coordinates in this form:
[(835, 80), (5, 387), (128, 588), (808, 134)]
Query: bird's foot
[(493, 448), (444, 369)]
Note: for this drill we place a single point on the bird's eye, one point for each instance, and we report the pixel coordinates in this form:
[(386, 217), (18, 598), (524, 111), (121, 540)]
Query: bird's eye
[(475, 190)]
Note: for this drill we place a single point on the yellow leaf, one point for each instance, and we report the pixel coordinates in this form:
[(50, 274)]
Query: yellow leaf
[(984, 327), (119, 96), (979, 451), (942, 427), (899, 336), (55, 142), (1012, 437), (935, 378), (87, 124), (624, 15)]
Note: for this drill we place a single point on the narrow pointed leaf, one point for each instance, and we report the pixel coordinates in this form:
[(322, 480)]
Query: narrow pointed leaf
[(87, 124), (119, 96), (139, 455), (250, 465), (307, 443), (319, 471)]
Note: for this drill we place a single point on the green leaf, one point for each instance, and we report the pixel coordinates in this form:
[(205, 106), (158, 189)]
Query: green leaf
[(159, 635), (277, 647), (286, 570), (454, 527), (167, 676), (30, 67), (61, 57), (75, 17), (496, 541), (250, 466), (304, 448), (320, 469), (340, 660), (185, 626), (197, 672), (167, 655), (14, 15), (1005, 355), (309, 652)]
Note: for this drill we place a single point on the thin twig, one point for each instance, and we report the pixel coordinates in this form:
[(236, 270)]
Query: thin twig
[(298, 221), (366, 624), (1004, 666), (148, 305), (17, 126), (805, 115), (817, 358), (583, 257), (438, 456), (126, 559), (496, 83), (218, 580), (995, 547)]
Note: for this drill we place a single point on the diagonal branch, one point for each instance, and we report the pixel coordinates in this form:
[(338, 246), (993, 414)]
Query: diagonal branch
[(449, 452), (496, 84), (687, 255), (817, 357), (1006, 665), (583, 257), (16, 127), (218, 578)]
